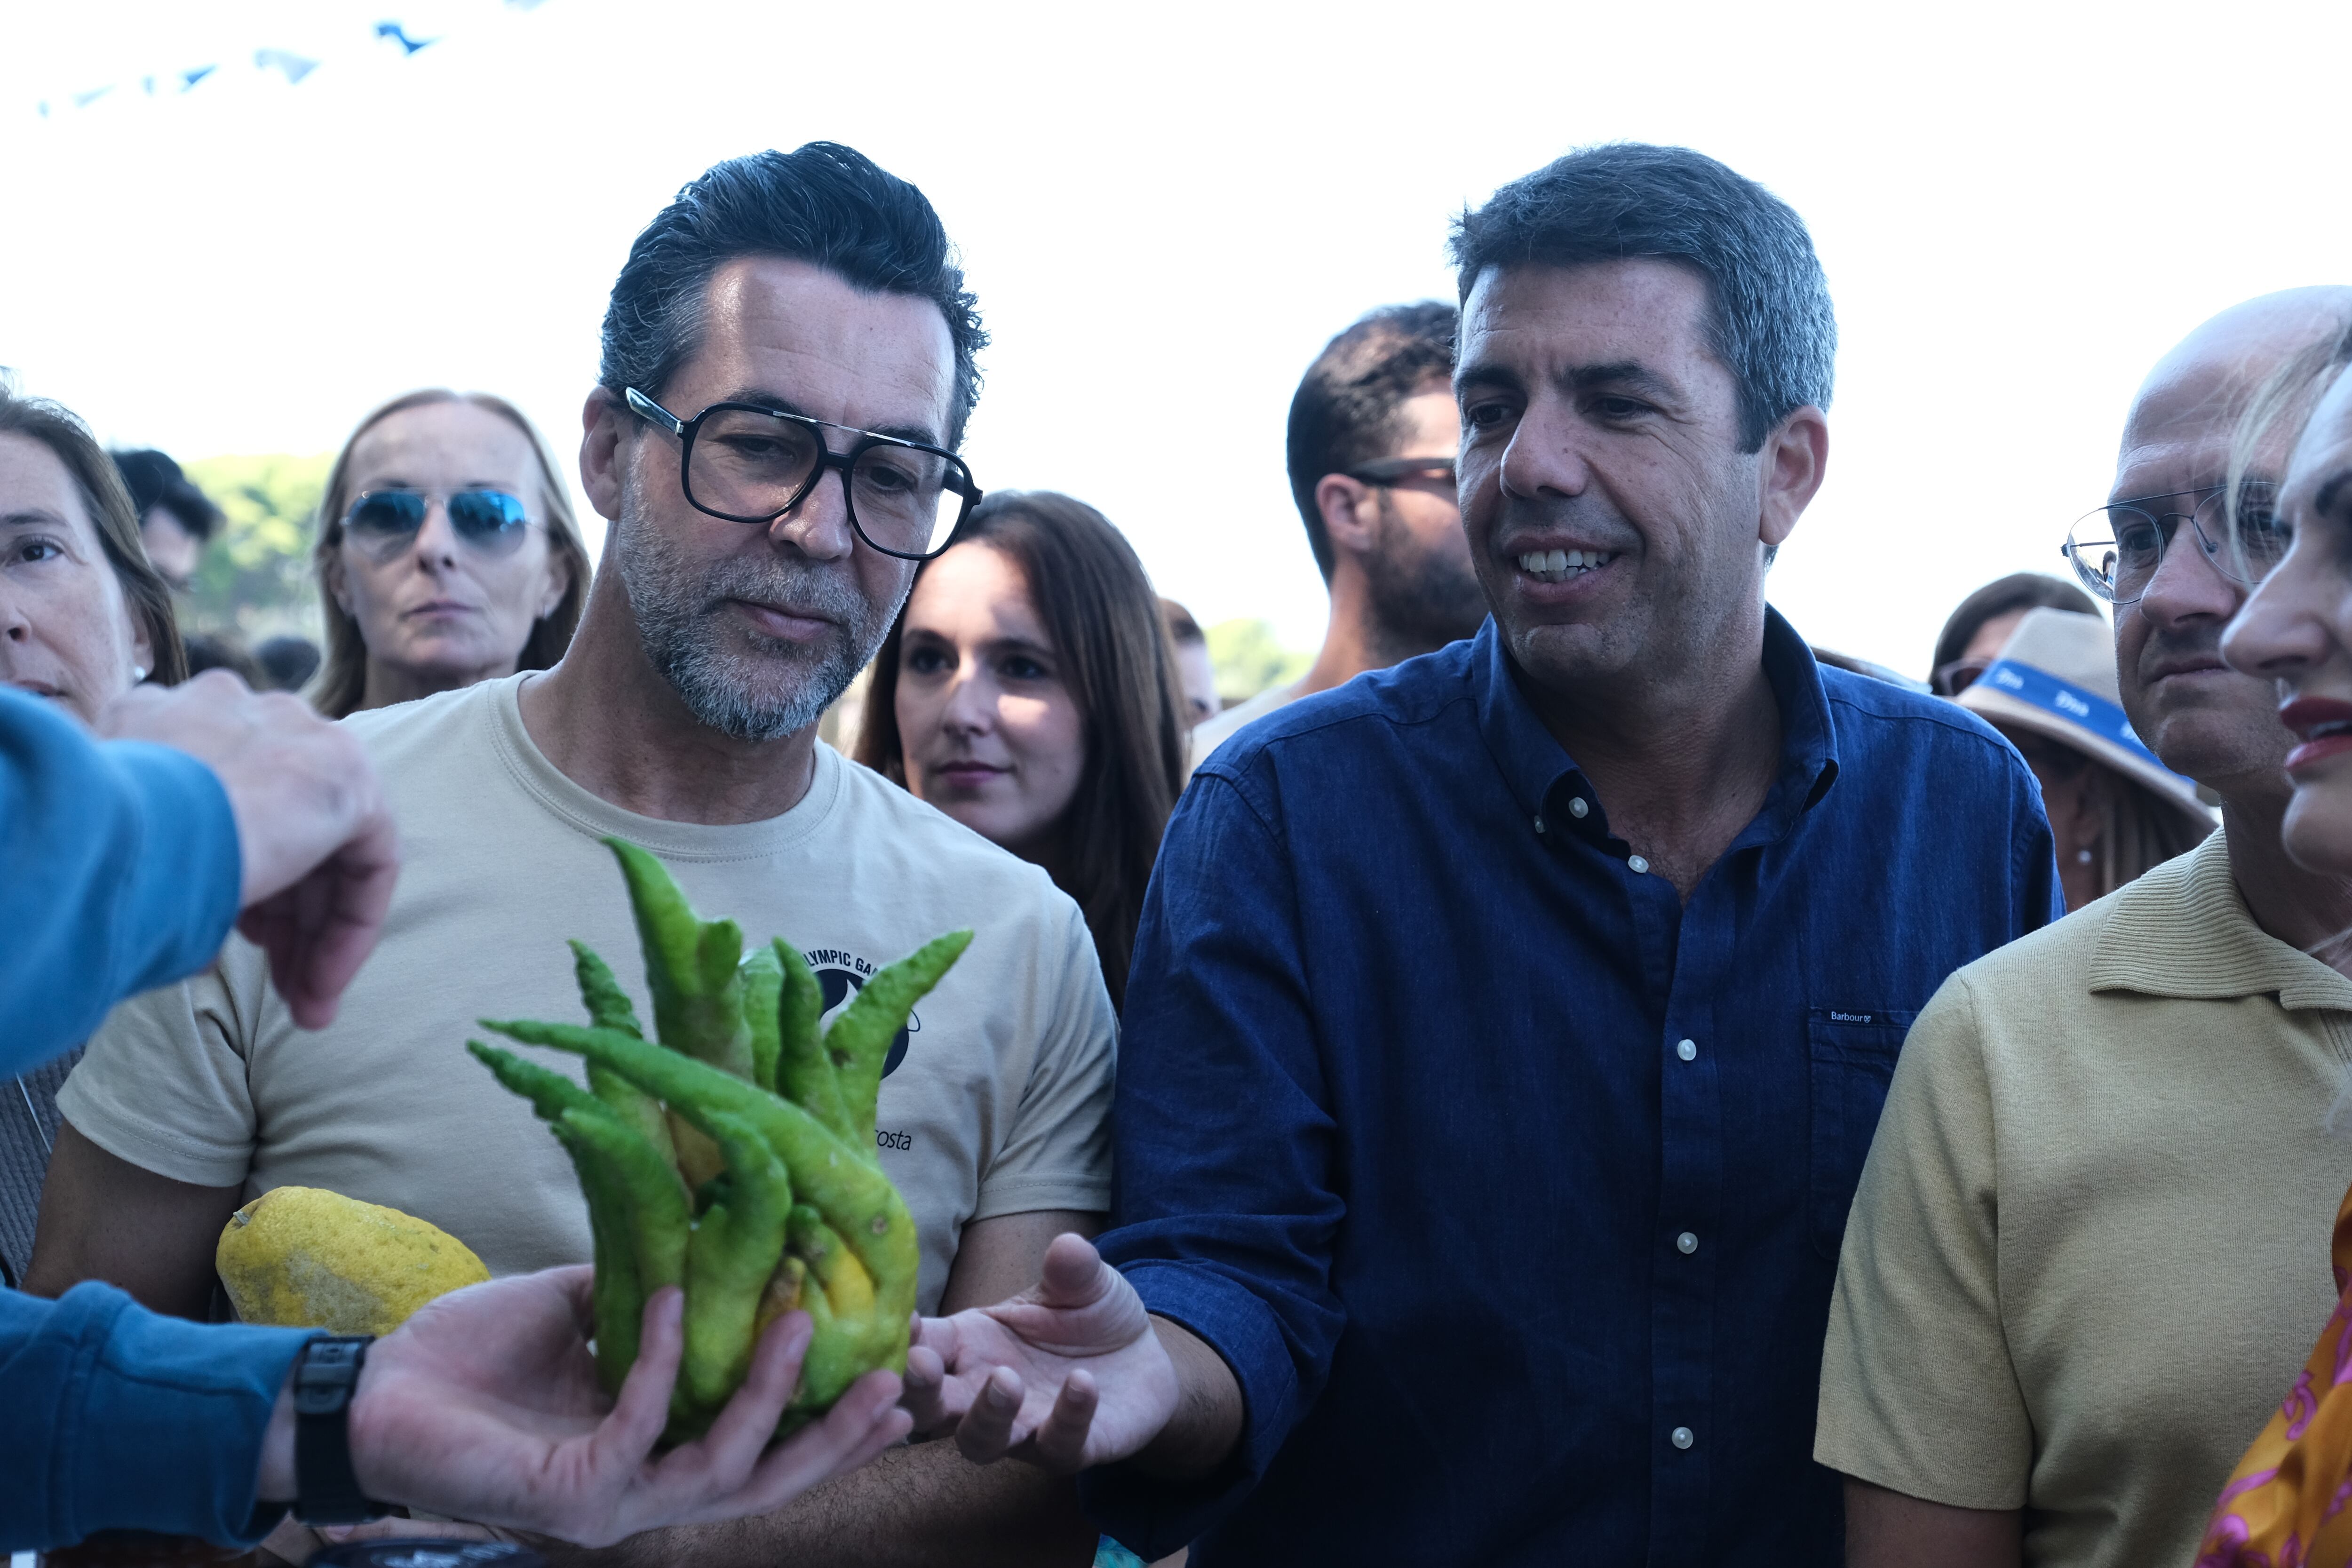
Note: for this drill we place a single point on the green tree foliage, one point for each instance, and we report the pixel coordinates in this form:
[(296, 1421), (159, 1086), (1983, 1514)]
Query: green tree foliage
[(256, 579), (1248, 658)]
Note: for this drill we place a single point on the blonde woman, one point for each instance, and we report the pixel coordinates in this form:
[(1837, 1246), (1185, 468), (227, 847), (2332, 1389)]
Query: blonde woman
[(447, 553)]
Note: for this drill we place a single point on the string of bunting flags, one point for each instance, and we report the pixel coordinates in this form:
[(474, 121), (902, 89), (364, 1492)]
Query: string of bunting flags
[(288, 63)]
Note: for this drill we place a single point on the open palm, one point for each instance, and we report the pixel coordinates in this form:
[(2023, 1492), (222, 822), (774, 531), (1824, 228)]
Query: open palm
[(1065, 1375), (485, 1407)]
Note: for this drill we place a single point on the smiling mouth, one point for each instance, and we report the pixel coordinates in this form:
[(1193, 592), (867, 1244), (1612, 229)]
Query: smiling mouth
[(1559, 565)]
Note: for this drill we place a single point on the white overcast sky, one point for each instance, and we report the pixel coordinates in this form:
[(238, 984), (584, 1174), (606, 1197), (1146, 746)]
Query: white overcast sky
[(1167, 209)]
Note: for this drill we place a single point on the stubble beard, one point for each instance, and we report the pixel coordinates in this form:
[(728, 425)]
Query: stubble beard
[(1421, 599), (732, 679)]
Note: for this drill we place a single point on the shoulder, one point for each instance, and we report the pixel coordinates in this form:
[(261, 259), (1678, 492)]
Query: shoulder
[(2032, 983), (1367, 711), (419, 730), (1882, 727)]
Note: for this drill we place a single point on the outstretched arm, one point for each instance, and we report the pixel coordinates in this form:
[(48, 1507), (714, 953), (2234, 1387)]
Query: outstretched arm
[(1074, 1373)]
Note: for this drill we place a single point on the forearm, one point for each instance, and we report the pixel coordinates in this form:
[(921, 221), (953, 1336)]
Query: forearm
[(912, 1508), (1207, 1422), (94, 1380), (121, 872)]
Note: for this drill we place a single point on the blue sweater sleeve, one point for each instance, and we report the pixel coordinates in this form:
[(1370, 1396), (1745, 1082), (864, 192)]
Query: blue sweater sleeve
[(119, 1418), (119, 871), (1220, 1051)]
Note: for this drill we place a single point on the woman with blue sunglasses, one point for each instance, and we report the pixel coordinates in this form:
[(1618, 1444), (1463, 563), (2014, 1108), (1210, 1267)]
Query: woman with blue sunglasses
[(447, 554)]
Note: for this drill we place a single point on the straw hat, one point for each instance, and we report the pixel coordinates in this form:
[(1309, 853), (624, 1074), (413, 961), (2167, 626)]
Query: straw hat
[(2057, 677)]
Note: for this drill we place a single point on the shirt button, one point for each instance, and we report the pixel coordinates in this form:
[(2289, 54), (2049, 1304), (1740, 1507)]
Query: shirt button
[(1682, 1438), (1687, 1050), (1538, 827), (1686, 1243), (1576, 808), (1636, 864)]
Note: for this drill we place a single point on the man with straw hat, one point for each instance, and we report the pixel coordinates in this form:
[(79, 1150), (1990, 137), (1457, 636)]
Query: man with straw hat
[(2116, 810), (2078, 1270)]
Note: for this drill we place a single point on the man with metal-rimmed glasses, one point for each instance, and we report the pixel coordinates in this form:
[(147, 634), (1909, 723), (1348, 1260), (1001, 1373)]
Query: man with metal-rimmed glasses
[(787, 369), (2074, 1275), (1373, 430)]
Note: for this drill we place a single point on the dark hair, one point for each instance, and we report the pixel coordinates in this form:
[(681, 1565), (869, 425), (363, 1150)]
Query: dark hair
[(153, 480), (1104, 619), (1770, 320), (823, 204), (341, 680), (2017, 591), (55, 427), (289, 661), (1346, 410), (221, 650)]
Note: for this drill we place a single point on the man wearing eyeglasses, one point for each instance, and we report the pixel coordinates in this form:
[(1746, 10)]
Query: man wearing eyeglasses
[(2091, 1239), (787, 369), (1371, 452)]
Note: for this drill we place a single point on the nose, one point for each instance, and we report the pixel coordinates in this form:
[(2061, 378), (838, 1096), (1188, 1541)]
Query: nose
[(971, 707), (2284, 631), (2187, 586), (819, 526), (1541, 458), (436, 537)]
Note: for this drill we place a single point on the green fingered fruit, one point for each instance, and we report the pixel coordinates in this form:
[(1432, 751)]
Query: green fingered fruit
[(733, 1153)]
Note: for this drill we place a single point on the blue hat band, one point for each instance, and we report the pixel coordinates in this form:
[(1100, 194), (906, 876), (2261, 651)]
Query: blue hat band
[(2085, 711)]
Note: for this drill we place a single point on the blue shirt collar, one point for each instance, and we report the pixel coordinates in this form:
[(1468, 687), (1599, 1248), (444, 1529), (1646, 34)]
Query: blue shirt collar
[(1544, 778)]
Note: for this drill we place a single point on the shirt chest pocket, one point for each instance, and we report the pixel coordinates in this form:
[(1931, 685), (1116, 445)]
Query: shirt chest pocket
[(1852, 1053)]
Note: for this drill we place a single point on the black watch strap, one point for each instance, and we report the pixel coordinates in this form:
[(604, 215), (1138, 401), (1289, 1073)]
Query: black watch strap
[(326, 1490)]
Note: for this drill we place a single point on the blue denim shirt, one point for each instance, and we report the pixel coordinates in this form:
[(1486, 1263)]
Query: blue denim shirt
[(119, 871), (1509, 1185)]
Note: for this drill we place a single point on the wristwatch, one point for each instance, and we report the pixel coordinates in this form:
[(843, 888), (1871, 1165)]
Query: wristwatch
[(326, 1490)]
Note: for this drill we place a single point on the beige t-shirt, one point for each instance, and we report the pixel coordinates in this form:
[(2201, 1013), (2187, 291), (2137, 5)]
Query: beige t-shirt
[(999, 1105), (2090, 1248)]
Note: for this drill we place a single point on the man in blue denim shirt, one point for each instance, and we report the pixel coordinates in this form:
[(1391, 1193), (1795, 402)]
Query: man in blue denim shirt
[(1507, 1029)]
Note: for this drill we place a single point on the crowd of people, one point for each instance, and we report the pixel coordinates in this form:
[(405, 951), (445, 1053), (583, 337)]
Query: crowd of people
[(1580, 1074)]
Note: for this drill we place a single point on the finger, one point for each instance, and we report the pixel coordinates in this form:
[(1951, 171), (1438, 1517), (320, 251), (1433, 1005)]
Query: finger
[(730, 1451), (1059, 1444), (625, 1438), (1073, 1273), (933, 1399), (985, 1433)]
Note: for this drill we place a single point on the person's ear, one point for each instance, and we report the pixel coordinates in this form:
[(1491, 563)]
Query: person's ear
[(142, 647), (1351, 513), (559, 582), (602, 423), (1795, 459), (337, 588)]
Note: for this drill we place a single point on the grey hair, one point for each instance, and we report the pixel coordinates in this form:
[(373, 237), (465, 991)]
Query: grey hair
[(1770, 320)]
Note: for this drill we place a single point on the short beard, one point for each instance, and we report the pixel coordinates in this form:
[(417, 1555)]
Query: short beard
[(745, 686), (1419, 600)]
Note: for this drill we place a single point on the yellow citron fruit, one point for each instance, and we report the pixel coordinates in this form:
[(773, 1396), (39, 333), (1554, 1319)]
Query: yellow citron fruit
[(305, 1257)]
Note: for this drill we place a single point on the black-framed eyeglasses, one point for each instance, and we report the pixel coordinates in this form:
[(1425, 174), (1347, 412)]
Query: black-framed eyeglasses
[(383, 523), (1389, 472), (2116, 548), (750, 464)]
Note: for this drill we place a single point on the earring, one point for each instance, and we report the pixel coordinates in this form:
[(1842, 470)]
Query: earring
[(137, 673), (2082, 856)]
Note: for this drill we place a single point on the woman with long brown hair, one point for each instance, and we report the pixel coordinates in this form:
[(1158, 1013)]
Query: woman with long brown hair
[(1028, 691), (446, 552)]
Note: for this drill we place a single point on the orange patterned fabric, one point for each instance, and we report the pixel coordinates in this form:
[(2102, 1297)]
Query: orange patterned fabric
[(2286, 1506)]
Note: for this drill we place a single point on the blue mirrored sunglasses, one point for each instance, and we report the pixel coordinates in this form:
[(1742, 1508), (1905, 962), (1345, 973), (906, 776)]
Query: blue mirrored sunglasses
[(490, 520)]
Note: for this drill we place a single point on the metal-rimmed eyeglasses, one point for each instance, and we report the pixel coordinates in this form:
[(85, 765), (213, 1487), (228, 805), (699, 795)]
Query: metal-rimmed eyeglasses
[(750, 464), (1389, 472), (2116, 548)]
